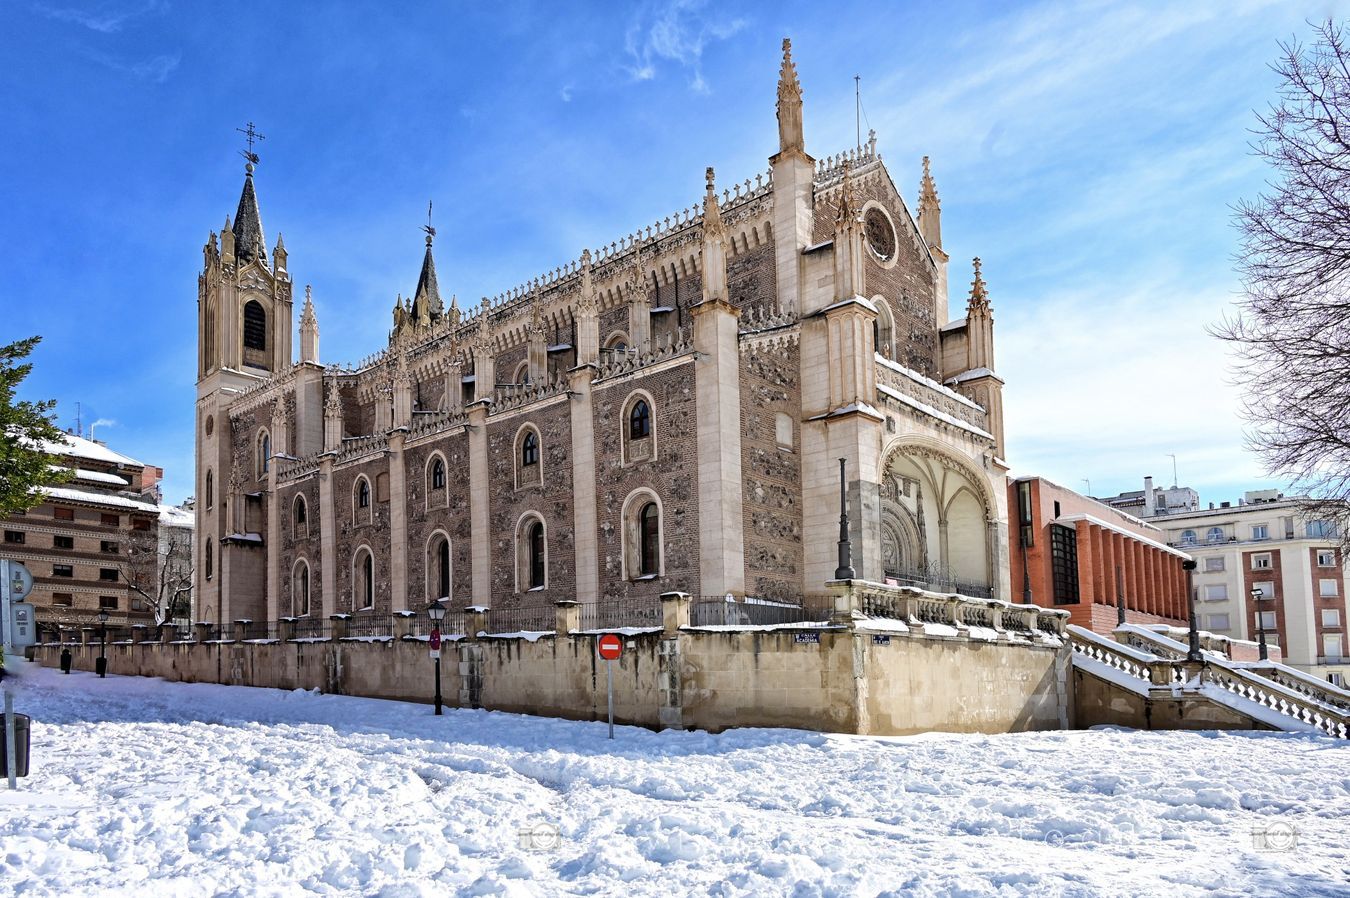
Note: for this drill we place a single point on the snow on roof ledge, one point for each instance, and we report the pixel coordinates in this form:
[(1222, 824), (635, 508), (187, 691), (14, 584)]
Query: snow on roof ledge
[(71, 495)]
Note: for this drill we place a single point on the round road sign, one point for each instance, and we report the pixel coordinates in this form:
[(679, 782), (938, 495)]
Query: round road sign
[(610, 646), (435, 639)]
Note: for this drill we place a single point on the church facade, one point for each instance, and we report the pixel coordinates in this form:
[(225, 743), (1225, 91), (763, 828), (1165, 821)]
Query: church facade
[(665, 413)]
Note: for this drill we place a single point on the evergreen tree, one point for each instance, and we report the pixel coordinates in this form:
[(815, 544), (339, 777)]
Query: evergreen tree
[(25, 427)]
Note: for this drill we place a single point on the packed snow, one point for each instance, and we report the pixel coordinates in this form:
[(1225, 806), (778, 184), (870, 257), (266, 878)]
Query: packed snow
[(151, 788)]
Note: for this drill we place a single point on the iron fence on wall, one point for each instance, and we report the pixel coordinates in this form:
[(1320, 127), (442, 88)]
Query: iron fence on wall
[(725, 611)]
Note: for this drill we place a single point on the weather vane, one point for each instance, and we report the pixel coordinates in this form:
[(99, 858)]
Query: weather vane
[(253, 135), (430, 231)]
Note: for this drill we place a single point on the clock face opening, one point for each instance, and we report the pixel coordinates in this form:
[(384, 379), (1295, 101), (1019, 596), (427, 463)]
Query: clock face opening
[(880, 235)]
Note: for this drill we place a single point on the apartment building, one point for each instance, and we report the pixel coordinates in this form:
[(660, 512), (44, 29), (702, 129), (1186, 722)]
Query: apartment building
[(1264, 565), (91, 540)]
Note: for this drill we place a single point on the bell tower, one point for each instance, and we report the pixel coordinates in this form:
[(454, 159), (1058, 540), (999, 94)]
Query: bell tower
[(244, 325)]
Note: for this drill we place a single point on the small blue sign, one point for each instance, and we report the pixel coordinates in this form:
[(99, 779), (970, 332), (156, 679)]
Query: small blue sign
[(879, 639), (806, 638)]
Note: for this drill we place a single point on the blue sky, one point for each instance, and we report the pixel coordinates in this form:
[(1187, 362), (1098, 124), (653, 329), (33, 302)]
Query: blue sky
[(1088, 152)]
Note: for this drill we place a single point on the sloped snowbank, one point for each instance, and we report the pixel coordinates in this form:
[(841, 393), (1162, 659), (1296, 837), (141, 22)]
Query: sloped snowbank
[(152, 788)]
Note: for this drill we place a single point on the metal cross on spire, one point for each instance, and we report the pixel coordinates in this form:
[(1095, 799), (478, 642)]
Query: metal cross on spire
[(252, 135)]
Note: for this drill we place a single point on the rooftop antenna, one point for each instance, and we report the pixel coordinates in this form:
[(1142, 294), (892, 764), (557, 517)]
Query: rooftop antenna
[(79, 425), (252, 135), (1089, 484), (857, 110), (1174, 469)]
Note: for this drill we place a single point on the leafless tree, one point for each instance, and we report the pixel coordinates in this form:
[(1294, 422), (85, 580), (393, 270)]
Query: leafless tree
[(1292, 330), (159, 570)]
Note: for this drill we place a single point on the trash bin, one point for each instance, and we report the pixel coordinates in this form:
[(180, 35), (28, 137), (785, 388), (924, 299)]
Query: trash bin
[(101, 666), (65, 661), (21, 727)]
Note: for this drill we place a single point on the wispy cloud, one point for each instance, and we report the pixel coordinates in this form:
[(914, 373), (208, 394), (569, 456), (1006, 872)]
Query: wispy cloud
[(104, 18), (676, 32), (154, 68)]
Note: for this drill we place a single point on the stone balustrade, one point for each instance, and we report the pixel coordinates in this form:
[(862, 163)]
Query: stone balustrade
[(943, 614)]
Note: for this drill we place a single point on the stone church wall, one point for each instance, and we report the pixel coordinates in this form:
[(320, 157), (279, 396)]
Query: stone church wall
[(672, 476), (448, 511), (354, 531), (752, 280), (305, 546), (771, 471), (551, 499)]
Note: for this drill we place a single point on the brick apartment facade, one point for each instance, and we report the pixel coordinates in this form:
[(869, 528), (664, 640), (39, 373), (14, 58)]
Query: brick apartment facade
[(1071, 552)]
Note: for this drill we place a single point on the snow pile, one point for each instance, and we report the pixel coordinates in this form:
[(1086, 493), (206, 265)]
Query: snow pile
[(151, 788)]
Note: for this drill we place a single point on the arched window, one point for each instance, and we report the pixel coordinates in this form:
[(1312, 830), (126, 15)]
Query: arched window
[(362, 493), (522, 375), (210, 490), (529, 449), (210, 564), (1188, 538), (536, 542), (300, 518), (438, 568), (639, 421), (617, 343), (255, 325), (264, 453), (437, 474), (363, 580), (1214, 535), (883, 329), (300, 590), (649, 549)]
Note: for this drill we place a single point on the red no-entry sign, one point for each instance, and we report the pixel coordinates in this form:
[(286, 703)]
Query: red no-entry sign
[(435, 639), (610, 647)]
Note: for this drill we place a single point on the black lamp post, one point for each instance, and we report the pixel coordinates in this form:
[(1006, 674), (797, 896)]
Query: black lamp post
[(101, 666), (436, 611), (1257, 596), (845, 570), (1193, 650)]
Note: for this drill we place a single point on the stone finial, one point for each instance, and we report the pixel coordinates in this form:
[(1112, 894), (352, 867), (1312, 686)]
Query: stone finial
[(979, 292), (847, 212), (930, 209), (713, 225), (789, 104), (332, 403)]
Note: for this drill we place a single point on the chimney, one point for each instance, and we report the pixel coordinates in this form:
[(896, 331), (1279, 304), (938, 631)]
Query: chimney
[(1149, 502)]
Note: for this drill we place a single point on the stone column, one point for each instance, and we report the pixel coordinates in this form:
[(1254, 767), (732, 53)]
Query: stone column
[(674, 612), (584, 489), (479, 497), (717, 385), (398, 522), (327, 537), (273, 538), (567, 617)]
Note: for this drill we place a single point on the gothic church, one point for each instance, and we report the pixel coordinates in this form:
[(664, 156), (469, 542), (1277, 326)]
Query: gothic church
[(664, 413)]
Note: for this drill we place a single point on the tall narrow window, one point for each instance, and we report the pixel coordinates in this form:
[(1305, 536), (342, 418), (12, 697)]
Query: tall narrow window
[(443, 569), (363, 493), (210, 490), (437, 474), (639, 420), (1064, 563), (300, 599), (529, 450), (536, 540), (301, 528), (255, 325), (210, 567), (264, 453), (649, 522), (365, 580)]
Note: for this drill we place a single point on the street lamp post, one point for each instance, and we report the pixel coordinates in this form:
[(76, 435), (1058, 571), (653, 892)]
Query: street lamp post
[(1257, 596), (1193, 650), (436, 611), (102, 664)]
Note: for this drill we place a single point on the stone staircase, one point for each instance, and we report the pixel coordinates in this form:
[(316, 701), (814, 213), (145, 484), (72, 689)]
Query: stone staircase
[(1143, 678)]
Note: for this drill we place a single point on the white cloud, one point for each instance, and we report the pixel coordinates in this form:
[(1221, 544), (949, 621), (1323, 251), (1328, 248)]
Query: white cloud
[(1104, 384), (676, 32), (105, 18)]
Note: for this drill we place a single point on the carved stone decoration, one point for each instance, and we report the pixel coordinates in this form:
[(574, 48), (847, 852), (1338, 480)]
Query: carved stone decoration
[(880, 234)]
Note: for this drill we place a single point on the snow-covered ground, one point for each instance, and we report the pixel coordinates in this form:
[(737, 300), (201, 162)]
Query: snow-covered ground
[(147, 788)]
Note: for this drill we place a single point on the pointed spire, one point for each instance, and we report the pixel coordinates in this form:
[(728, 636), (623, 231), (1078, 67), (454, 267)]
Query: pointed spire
[(789, 103), (979, 292), (930, 209), (249, 244)]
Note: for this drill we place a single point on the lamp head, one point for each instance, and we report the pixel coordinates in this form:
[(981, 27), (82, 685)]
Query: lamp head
[(436, 611), (103, 615)]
